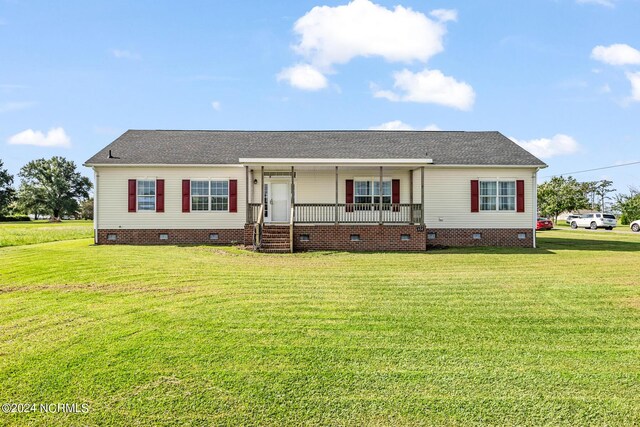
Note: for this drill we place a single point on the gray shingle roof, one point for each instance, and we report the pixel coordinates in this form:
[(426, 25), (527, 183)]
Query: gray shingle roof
[(226, 147)]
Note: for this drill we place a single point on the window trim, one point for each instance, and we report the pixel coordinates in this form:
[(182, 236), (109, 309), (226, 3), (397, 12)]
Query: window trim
[(208, 196), (497, 196), (155, 195), (373, 180)]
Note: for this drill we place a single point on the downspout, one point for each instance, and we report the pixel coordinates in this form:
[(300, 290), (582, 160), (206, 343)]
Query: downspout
[(534, 203), (95, 206)]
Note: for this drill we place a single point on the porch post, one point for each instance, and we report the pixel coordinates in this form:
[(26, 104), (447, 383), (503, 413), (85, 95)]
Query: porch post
[(336, 218), (380, 196), (262, 188), (422, 195), (410, 196), (246, 193), (292, 189)]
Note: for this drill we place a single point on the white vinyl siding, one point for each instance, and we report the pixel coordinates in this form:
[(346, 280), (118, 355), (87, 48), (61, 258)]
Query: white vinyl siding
[(112, 197), (319, 185), (448, 198)]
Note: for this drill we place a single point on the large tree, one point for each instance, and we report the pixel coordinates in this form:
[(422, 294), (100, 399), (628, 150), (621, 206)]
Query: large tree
[(560, 195), (602, 190), (7, 193), (30, 200), (57, 183), (628, 205)]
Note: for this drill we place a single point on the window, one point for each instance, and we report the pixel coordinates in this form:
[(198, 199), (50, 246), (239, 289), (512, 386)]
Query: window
[(369, 192), (477, 236), (432, 235), (497, 195), (355, 237), (304, 238), (146, 195), (163, 236), (213, 236), (405, 237), (210, 195), (112, 237), (522, 236)]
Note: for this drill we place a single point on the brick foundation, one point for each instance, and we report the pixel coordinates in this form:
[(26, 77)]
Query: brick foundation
[(175, 237), (332, 237), (489, 237), (372, 238)]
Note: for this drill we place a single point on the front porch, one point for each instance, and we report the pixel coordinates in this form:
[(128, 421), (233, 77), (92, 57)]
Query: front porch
[(316, 194)]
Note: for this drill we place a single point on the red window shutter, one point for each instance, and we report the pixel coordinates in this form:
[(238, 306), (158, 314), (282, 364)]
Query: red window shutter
[(132, 195), (159, 195), (395, 194), (520, 195), (186, 195), (349, 195), (233, 195), (475, 198)]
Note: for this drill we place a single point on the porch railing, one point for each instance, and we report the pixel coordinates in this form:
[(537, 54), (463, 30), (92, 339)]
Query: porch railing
[(253, 213), (317, 213)]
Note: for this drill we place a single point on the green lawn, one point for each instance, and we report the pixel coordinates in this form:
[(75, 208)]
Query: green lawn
[(28, 233), (155, 335)]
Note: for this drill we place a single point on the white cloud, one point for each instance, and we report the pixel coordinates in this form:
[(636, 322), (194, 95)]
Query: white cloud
[(216, 105), (125, 54), (634, 78), (616, 54), (445, 15), (335, 35), (400, 125), (545, 148), (605, 88), (15, 106), (56, 137), (429, 86), (607, 3), (303, 76)]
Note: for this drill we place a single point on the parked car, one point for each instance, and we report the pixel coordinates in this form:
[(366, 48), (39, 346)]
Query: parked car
[(544, 224), (635, 226), (571, 218), (594, 221)]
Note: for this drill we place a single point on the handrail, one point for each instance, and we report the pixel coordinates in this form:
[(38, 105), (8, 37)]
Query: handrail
[(291, 229)]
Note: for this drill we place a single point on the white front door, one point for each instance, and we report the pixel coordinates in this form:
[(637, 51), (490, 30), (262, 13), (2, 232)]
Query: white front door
[(279, 202)]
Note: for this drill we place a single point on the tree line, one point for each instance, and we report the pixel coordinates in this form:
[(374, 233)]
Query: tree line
[(48, 188), (566, 194)]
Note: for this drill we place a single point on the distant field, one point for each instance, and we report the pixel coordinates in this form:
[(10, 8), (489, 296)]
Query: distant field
[(166, 335), (28, 233)]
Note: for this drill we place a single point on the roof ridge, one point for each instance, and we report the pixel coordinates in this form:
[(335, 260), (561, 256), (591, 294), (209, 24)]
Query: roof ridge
[(314, 131)]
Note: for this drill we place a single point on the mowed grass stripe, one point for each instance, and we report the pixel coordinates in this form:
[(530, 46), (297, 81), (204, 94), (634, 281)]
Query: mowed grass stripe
[(223, 336)]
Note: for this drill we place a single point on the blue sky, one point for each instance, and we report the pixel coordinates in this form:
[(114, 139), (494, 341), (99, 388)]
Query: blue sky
[(562, 77)]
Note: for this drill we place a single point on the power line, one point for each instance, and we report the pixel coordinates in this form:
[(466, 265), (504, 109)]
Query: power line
[(595, 169)]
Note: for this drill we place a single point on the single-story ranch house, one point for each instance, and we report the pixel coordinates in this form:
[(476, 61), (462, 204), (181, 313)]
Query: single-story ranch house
[(299, 190)]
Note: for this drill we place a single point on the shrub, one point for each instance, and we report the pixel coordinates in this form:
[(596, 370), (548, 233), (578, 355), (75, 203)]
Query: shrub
[(12, 218)]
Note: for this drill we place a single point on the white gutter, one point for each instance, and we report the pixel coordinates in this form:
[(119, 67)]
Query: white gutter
[(327, 161), (163, 165), (489, 166)]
